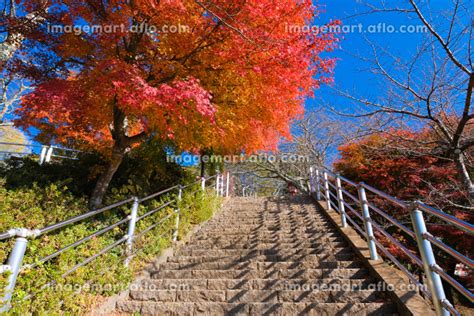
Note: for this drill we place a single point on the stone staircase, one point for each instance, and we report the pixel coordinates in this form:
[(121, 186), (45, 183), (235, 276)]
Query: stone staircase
[(261, 257)]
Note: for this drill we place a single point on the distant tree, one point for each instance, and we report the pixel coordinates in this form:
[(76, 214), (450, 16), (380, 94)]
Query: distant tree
[(433, 87), (10, 134), (390, 163), (315, 140)]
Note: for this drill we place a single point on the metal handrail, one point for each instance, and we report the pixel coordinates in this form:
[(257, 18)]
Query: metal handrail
[(93, 257), (76, 243), (454, 283), (462, 225), (354, 211), (405, 250), (155, 210), (151, 196), (16, 257), (392, 220), (467, 261), (76, 219), (385, 195), (146, 230), (353, 198), (38, 146), (423, 238)]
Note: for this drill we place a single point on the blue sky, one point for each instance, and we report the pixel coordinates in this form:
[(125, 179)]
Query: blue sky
[(351, 73)]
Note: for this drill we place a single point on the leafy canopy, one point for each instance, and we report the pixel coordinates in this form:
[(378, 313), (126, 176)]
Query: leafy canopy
[(232, 79)]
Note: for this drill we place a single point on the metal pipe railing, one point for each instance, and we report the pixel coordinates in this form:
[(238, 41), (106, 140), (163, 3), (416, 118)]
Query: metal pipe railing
[(385, 195), (79, 218), (467, 261), (155, 210), (429, 260), (392, 220), (423, 238), (151, 196), (462, 225), (15, 261), (369, 233), (76, 243)]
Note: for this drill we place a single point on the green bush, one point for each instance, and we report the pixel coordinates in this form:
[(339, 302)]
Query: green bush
[(143, 171), (35, 207)]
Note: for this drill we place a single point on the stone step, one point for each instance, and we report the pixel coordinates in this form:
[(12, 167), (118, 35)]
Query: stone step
[(257, 284), (269, 221), (261, 257), (249, 252), (261, 265), (202, 235), (268, 258), (199, 240), (277, 309), (269, 230), (257, 245), (255, 296), (228, 225), (261, 274)]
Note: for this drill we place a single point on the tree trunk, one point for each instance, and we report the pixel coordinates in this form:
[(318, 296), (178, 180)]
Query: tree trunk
[(465, 177), (105, 178)]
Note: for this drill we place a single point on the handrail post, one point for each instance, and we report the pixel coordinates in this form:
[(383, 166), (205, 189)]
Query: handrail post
[(221, 188), (49, 154), (326, 188), (311, 180), (433, 279), (217, 183), (364, 205), (227, 184), (131, 230), (42, 156), (203, 183), (176, 226), (340, 200), (13, 266), (177, 211), (318, 185)]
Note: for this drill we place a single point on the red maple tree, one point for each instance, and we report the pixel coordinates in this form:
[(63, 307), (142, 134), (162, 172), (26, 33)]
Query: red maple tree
[(233, 80)]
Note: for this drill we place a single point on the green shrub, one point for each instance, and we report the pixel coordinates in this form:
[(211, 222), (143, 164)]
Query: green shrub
[(35, 207), (143, 171)]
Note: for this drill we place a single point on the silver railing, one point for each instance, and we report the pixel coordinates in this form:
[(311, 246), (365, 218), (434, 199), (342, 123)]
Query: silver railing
[(355, 208), (15, 264), (45, 153)]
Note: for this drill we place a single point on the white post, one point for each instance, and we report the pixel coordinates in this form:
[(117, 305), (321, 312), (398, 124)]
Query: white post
[(364, 205), (318, 185), (311, 180), (13, 266), (42, 157), (222, 188), (326, 188), (176, 223), (203, 183), (176, 226), (131, 230), (217, 183), (340, 200), (49, 154), (227, 184), (433, 279)]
